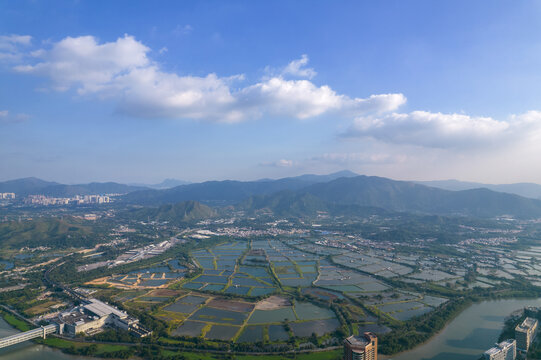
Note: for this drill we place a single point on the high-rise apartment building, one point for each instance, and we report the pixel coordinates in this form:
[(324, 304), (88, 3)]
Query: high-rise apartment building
[(361, 347), (525, 333)]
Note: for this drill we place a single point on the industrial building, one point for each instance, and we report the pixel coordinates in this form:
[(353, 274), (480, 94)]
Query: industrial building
[(362, 347), (506, 350), (93, 316), (525, 333)]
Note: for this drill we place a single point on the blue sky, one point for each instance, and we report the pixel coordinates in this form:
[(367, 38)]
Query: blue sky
[(137, 91)]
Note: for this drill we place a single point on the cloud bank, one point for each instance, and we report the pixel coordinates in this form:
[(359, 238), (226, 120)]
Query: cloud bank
[(123, 71), (447, 131)]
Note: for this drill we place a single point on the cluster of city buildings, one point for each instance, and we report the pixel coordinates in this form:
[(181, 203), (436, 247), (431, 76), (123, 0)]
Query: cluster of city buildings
[(93, 316), (361, 347), (75, 200), (243, 232), (7, 196), (525, 333)]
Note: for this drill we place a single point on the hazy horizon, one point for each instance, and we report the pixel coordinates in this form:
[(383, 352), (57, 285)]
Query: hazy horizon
[(159, 181)]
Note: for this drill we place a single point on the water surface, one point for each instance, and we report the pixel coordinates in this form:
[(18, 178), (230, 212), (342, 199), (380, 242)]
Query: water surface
[(28, 350), (470, 334)]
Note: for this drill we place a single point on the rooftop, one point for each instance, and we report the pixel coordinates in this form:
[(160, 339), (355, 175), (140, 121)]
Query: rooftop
[(500, 347), (360, 340), (75, 318), (527, 324), (506, 343), (493, 350), (102, 309)]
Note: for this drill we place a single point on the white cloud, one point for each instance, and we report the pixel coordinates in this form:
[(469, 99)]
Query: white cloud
[(182, 30), (10, 42), (283, 163), (437, 130), (10, 46), (6, 117), (122, 70), (148, 92), (90, 67), (303, 99), (298, 68), (298, 98)]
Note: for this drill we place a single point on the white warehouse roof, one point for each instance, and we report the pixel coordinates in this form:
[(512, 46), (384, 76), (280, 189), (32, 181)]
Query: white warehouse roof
[(102, 309)]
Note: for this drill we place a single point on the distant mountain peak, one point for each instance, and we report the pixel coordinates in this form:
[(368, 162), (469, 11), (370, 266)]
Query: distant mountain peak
[(344, 173)]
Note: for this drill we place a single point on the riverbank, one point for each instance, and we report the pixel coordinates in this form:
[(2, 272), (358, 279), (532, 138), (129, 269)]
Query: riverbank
[(469, 334), (15, 321)]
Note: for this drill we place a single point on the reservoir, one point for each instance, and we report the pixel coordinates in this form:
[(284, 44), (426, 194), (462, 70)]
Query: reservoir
[(470, 334)]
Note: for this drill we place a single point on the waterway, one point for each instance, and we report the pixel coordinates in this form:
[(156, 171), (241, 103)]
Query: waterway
[(470, 334), (29, 350)]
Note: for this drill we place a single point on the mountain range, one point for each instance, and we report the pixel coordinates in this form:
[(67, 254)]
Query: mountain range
[(344, 195), (166, 184), (179, 213), (35, 186), (361, 192), (227, 192), (338, 193), (529, 190)]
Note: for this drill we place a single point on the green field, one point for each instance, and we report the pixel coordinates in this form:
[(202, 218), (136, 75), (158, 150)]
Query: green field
[(15, 321)]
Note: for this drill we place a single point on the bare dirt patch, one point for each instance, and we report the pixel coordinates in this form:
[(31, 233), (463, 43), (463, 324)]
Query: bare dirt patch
[(98, 281), (231, 305), (272, 303)]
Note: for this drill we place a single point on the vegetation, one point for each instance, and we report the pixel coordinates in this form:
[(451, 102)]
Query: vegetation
[(419, 244), (51, 232), (15, 321), (177, 214)]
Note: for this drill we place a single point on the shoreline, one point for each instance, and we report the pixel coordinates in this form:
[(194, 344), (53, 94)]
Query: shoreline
[(450, 323)]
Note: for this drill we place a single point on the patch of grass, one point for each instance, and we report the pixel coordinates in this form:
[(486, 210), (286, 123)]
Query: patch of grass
[(109, 348), (41, 308), (15, 321)]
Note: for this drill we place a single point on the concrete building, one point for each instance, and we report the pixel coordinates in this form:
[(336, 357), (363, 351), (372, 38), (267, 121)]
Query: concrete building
[(7, 196), (92, 317), (362, 347), (525, 333), (506, 350)]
